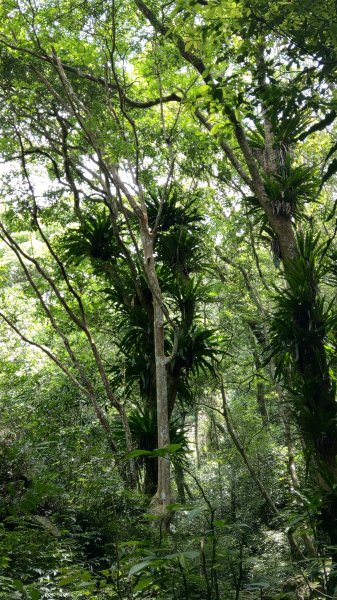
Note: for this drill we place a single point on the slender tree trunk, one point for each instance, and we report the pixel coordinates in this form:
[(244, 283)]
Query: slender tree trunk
[(196, 437), (264, 492), (162, 497), (180, 483)]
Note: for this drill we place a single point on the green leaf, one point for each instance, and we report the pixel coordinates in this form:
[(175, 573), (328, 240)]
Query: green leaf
[(221, 523), (19, 585), (170, 449), (143, 584), (204, 89), (216, 128), (182, 561), (34, 594), (191, 554), (136, 453), (176, 507), (134, 543), (139, 567), (196, 512), (67, 580), (152, 517)]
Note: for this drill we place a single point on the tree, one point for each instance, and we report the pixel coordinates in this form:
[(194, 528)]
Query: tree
[(128, 206), (267, 116), (180, 255), (231, 96)]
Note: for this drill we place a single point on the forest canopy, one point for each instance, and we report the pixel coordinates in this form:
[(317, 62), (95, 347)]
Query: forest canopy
[(168, 299)]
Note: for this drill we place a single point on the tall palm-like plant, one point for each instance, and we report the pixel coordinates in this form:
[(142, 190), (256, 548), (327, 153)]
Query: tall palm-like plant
[(181, 256), (302, 340)]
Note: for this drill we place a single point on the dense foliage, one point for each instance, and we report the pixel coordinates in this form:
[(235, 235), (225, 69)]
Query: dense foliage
[(168, 300)]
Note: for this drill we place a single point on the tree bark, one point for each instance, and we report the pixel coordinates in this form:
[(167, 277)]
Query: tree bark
[(163, 494), (162, 497)]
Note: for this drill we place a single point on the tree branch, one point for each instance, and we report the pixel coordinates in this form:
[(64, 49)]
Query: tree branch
[(84, 390), (194, 60), (173, 97), (227, 150)]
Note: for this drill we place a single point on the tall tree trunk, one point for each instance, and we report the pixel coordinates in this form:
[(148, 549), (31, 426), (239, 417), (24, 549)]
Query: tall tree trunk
[(162, 497), (180, 482), (196, 437)]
